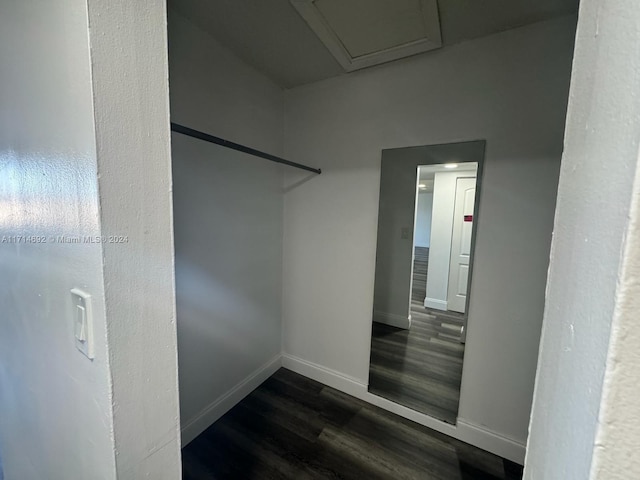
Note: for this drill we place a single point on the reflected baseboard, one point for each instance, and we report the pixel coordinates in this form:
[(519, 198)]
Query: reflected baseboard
[(392, 319), (435, 304)]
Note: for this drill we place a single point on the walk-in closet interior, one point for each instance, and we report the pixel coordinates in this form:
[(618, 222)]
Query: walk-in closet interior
[(371, 307)]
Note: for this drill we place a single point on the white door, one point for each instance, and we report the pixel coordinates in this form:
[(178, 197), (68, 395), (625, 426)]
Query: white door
[(461, 244)]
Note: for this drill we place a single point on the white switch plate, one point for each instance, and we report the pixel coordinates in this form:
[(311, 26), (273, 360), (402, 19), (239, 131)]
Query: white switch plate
[(82, 317)]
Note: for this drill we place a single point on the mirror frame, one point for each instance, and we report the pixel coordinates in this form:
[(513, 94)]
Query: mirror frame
[(473, 151)]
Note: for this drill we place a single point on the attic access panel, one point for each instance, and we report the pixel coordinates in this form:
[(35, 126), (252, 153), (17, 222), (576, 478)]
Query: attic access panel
[(363, 33)]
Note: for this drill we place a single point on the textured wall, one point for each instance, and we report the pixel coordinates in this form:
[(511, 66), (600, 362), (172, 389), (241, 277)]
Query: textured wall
[(594, 265), (618, 438), (131, 104)]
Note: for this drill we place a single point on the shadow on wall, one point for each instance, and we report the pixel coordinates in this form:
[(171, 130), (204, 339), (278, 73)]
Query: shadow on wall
[(304, 178)]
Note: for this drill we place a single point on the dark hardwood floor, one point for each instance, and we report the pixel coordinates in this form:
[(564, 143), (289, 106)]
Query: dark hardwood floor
[(294, 428), (420, 368)]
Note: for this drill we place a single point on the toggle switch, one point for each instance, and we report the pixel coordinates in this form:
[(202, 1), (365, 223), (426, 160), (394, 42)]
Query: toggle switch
[(83, 322)]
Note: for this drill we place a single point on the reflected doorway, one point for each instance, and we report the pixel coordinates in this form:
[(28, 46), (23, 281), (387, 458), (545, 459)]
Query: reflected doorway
[(448, 224)]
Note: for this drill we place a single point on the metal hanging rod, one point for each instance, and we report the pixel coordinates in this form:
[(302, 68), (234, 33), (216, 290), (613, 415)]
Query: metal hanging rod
[(240, 148)]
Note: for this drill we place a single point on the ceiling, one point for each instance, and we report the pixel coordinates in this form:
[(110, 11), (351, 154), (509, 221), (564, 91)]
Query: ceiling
[(427, 173), (362, 24), (271, 35), (363, 33)]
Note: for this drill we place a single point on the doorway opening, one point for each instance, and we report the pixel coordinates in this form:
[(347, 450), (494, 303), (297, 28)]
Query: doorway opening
[(443, 231)]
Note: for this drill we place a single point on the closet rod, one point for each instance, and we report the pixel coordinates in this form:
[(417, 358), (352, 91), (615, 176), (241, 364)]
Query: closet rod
[(240, 148)]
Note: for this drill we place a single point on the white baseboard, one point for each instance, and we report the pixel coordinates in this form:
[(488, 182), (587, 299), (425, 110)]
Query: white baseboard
[(435, 303), (464, 430), (491, 441), (198, 424), (392, 319), (326, 376)]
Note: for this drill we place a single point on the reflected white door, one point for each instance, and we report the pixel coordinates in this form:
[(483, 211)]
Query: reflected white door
[(461, 244)]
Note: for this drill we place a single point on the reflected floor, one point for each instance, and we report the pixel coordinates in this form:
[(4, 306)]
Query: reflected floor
[(420, 368)]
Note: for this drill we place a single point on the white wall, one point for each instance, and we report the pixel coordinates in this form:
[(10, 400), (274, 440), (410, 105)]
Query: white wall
[(228, 226), (396, 211), (131, 108), (444, 200), (586, 400), (423, 219), (510, 89), (55, 404), (79, 129)]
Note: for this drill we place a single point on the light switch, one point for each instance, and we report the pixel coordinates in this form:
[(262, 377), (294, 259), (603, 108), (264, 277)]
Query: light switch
[(82, 322)]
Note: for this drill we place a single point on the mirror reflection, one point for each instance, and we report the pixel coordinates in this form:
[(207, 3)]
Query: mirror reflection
[(426, 228)]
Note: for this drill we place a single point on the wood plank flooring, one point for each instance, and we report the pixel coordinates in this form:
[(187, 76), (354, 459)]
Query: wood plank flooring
[(294, 428), (420, 368)]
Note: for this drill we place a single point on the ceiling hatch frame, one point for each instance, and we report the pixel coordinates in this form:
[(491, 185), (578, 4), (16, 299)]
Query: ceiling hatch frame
[(314, 18)]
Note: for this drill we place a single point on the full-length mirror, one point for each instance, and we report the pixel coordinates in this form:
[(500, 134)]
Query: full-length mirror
[(426, 227)]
